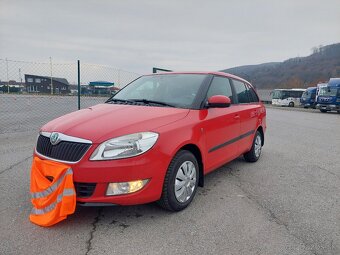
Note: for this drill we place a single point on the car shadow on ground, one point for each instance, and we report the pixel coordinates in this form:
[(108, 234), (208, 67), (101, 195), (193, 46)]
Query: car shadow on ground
[(124, 216)]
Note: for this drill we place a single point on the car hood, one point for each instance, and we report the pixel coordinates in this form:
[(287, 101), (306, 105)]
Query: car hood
[(104, 121)]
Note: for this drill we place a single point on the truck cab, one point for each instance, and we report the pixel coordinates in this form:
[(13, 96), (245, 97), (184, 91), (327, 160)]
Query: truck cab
[(328, 97), (308, 98)]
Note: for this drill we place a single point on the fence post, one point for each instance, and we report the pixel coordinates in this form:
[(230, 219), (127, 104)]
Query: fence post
[(79, 85)]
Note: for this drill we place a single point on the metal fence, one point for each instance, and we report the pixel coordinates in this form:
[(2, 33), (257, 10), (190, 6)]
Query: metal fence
[(32, 93)]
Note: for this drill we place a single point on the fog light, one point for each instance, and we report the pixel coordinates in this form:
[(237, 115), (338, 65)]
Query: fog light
[(120, 188)]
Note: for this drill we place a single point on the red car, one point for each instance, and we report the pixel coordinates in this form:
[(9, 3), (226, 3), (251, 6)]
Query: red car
[(156, 138)]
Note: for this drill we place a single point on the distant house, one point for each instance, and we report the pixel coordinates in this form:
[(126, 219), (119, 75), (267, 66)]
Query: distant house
[(42, 84)]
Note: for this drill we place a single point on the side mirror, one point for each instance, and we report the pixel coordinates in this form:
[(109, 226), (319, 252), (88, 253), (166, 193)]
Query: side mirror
[(218, 101)]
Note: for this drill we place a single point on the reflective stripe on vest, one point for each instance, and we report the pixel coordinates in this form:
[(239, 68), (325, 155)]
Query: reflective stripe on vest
[(52, 201), (66, 192), (53, 188)]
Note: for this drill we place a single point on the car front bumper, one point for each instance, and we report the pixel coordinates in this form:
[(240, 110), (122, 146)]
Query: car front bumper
[(151, 165)]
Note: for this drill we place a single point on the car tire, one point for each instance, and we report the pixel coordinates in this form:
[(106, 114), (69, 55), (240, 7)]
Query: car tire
[(291, 104), (185, 170), (255, 152), (321, 110)]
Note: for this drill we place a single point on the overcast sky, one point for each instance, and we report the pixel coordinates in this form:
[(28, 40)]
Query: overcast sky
[(178, 35)]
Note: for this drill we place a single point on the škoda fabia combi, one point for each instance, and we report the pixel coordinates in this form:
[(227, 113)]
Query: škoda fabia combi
[(156, 138)]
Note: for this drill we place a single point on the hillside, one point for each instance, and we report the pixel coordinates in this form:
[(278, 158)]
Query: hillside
[(295, 72)]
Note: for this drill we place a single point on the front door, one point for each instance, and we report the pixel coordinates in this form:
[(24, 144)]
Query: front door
[(221, 127)]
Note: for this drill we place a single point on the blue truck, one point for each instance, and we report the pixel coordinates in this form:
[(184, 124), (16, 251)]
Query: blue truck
[(328, 97), (308, 98)]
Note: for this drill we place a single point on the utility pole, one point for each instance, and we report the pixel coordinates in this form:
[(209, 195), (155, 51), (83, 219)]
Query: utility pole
[(7, 76), (20, 88), (51, 76), (20, 75), (118, 78)]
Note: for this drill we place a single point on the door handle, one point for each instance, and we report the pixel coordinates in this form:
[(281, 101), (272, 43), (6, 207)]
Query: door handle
[(236, 116)]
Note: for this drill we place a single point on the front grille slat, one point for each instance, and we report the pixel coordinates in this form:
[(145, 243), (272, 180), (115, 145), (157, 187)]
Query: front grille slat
[(64, 150)]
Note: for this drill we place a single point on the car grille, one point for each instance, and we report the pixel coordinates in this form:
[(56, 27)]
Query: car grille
[(65, 151), (84, 189)]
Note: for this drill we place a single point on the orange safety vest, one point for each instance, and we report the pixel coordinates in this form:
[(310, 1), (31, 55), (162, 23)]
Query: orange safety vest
[(52, 192)]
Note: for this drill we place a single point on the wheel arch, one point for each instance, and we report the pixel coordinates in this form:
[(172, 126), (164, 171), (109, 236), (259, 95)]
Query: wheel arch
[(260, 129), (198, 155)]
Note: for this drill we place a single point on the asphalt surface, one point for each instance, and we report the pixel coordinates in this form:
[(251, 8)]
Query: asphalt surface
[(286, 203)]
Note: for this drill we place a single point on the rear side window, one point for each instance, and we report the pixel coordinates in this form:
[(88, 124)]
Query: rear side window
[(252, 94), (220, 86), (241, 92)]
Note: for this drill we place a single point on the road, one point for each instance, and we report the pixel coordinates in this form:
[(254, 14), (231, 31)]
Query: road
[(286, 203)]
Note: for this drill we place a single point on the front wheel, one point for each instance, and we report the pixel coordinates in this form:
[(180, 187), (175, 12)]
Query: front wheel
[(180, 183), (322, 110), (255, 152), (291, 104)]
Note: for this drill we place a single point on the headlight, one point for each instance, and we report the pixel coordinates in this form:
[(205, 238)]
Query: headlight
[(125, 146)]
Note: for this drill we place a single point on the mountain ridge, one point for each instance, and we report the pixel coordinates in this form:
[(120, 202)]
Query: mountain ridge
[(298, 72)]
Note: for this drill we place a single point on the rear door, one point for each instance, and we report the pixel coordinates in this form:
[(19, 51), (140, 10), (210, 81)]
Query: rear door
[(221, 126), (249, 110)]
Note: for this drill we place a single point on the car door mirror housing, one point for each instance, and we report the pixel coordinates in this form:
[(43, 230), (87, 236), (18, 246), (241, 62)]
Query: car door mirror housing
[(218, 101)]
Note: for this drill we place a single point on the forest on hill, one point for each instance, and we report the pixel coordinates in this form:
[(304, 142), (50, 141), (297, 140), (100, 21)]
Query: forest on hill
[(300, 72)]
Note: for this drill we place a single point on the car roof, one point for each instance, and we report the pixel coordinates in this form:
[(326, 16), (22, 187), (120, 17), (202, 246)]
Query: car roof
[(228, 75)]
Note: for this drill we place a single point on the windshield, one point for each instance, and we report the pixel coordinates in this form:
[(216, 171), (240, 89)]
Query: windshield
[(327, 91), (277, 94), (177, 90), (306, 95)]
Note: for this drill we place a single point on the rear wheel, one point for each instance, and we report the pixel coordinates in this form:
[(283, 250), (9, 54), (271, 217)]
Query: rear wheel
[(291, 104), (255, 152), (180, 183), (322, 110)]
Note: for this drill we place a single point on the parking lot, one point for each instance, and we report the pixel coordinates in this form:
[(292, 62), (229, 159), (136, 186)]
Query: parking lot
[(286, 203)]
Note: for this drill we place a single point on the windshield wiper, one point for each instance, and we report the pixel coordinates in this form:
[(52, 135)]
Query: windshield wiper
[(146, 101), (119, 100)]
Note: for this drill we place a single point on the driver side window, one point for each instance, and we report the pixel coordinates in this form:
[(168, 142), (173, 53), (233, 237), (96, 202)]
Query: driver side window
[(220, 86)]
